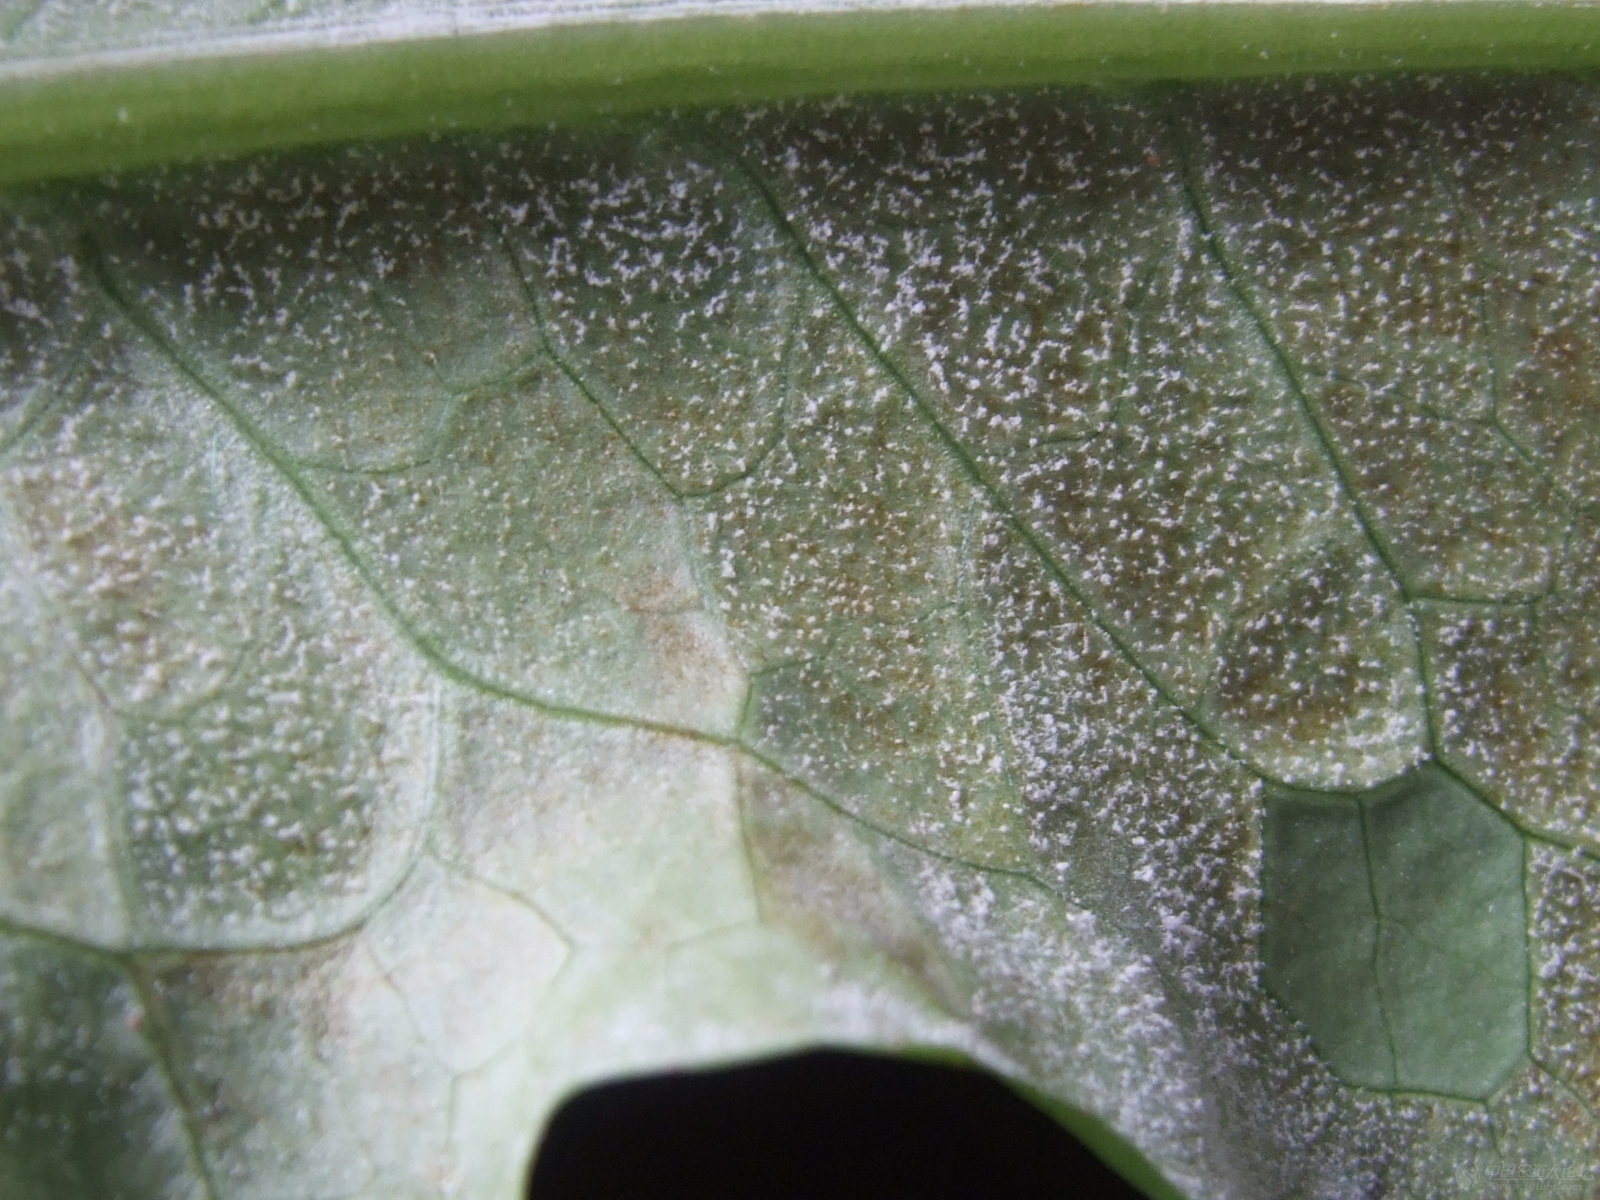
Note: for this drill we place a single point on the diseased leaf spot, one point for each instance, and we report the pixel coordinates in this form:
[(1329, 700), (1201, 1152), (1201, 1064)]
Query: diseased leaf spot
[(1313, 680), (1395, 930), (480, 614)]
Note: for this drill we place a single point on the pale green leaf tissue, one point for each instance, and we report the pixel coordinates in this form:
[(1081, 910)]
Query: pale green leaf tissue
[(1103, 583)]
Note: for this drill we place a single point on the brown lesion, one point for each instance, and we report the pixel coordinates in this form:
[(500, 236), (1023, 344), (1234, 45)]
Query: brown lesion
[(816, 873), (1456, 508), (1495, 694), (1356, 244), (1164, 528), (1502, 719), (982, 249), (1090, 744), (113, 554), (1564, 1031), (1550, 396), (1301, 661)]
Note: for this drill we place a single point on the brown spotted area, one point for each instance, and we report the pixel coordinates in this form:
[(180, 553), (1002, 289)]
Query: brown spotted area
[(1495, 722), (135, 517), (549, 809), (1515, 695), (993, 246), (817, 873), (341, 301), (1526, 158), (1335, 211), (305, 1057), (1358, 246), (1126, 800), (1542, 1121), (1564, 901), (838, 565), (1195, 491), (58, 869), (45, 309), (1197, 482), (1310, 663), (262, 729), (663, 291), (1464, 513), (534, 552)]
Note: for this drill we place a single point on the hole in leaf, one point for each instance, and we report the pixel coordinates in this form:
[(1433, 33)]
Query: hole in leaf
[(825, 1124)]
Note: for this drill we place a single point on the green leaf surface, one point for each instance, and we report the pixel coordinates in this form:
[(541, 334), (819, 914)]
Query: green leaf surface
[(1394, 926), (1098, 584)]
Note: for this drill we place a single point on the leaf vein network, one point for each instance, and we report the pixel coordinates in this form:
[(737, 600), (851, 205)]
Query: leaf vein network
[(425, 646)]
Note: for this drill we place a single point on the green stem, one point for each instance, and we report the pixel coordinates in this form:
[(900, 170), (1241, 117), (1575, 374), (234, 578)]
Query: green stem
[(230, 92)]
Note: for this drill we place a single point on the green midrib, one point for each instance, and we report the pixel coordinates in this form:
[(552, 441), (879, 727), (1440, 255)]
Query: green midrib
[(220, 94)]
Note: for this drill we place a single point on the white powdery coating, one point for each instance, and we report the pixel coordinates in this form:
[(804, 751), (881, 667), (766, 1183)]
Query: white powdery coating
[(1039, 277), (674, 308), (1564, 891), (1390, 333), (834, 571), (1050, 988), (272, 735)]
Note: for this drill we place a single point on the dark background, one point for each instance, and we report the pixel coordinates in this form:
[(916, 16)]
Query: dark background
[(826, 1124)]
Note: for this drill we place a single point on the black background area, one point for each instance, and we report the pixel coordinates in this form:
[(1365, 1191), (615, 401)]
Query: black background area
[(826, 1124)]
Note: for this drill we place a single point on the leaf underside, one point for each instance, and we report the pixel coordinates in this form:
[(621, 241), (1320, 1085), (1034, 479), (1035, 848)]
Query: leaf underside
[(1104, 585)]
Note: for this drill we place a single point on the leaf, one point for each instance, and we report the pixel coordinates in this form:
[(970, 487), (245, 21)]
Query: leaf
[(1395, 928), (487, 614)]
